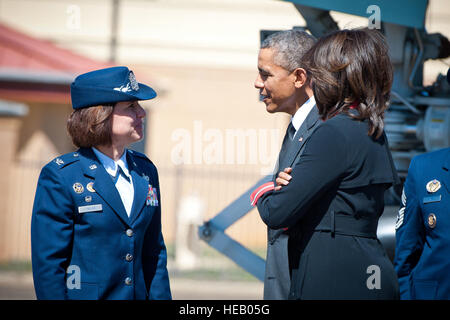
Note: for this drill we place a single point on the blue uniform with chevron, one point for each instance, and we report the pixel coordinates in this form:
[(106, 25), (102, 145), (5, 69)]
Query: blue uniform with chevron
[(422, 231)]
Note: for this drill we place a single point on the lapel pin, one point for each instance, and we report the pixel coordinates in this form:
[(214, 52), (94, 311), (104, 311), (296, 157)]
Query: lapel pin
[(432, 221), (78, 187), (301, 139), (90, 187), (433, 186), (88, 198)]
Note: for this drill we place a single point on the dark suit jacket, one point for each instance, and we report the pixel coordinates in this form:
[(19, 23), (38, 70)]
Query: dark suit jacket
[(84, 245), (277, 278), (331, 207)]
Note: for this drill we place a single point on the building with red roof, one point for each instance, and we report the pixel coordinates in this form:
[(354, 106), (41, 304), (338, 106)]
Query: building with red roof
[(35, 78), (34, 70)]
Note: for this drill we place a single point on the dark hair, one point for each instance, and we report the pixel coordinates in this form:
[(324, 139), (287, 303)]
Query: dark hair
[(92, 126), (352, 67), (289, 47)]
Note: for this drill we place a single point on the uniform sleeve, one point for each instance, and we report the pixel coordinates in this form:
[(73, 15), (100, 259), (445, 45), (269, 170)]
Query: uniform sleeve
[(51, 235), (155, 255), (322, 164), (409, 233)]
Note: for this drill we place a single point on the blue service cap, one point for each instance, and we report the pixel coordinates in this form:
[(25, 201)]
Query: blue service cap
[(106, 86)]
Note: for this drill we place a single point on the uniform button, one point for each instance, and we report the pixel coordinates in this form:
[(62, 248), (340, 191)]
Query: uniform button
[(129, 232), (127, 281), (129, 257)]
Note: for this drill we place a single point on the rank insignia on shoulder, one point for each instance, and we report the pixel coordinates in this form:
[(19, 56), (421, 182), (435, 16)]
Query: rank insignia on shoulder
[(433, 186), (432, 221), (152, 197), (93, 166), (78, 187), (59, 161)]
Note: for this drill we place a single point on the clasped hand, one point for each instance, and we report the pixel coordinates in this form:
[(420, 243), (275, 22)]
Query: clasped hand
[(283, 178)]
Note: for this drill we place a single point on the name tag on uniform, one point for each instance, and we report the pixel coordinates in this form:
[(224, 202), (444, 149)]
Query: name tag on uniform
[(91, 208), (430, 199)]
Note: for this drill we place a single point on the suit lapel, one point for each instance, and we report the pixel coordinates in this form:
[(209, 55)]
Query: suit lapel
[(140, 188), (281, 155), (103, 183), (286, 153), (294, 147)]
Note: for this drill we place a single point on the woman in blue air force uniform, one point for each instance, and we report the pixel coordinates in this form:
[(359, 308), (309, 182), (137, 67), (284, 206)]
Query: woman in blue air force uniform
[(422, 230), (422, 253), (96, 222)]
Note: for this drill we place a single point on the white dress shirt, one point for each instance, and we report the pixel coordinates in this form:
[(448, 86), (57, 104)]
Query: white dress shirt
[(125, 187), (301, 114)]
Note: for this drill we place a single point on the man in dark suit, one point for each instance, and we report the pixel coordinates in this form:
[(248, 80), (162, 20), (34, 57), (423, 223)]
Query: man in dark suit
[(285, 87), (332, 199)]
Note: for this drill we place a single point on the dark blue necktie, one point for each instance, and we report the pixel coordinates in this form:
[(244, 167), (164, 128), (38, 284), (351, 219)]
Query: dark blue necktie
[(291, 131), (288, 137), (120, 172)]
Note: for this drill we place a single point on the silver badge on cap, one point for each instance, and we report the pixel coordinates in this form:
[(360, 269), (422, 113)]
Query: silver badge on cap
[(131, 85), (133, 82)]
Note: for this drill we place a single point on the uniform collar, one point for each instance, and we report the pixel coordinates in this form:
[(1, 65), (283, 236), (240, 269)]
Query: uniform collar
[(110, 165), (302, 112)]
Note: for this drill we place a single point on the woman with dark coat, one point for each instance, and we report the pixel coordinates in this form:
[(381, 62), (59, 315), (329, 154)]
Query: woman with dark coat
[(331, 200)]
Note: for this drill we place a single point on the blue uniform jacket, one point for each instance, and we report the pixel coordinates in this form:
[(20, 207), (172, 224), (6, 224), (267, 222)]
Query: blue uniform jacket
[(422, 258), (84, 245)]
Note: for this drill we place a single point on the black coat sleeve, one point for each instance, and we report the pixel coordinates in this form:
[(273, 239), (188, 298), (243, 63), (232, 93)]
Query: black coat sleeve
[(321, 166)]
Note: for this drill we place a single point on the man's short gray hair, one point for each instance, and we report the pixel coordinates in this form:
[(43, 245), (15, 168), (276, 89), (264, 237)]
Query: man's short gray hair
[(289, 47)]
